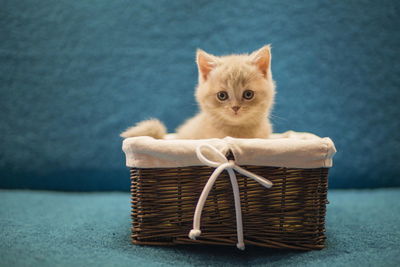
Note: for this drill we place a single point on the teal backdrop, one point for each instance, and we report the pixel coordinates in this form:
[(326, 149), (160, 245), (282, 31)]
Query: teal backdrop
[(74, 74)]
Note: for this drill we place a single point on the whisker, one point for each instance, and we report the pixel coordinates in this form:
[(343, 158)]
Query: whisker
[(277, 117)]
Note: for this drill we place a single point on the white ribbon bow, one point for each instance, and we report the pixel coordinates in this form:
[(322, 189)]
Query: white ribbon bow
[(229, 165)]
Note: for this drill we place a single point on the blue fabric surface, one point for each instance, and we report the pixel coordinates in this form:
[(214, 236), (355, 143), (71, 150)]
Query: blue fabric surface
[(73, 74), (93, 229)]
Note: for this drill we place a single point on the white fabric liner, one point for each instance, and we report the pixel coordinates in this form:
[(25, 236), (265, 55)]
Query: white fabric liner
[(290, 149)]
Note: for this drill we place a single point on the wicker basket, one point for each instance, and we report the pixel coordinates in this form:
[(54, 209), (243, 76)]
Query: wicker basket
[(291, 214)]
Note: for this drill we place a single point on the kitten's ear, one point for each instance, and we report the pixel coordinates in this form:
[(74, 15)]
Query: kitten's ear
[(205, 62), (262, 59)]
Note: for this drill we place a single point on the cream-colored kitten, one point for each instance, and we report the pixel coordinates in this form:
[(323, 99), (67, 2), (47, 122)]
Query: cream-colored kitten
[(235, 94)]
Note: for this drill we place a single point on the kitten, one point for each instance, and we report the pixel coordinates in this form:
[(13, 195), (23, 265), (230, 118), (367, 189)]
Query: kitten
[(235, 94)]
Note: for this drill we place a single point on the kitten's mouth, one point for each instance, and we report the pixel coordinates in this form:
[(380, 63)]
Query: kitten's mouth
[(237, 113)]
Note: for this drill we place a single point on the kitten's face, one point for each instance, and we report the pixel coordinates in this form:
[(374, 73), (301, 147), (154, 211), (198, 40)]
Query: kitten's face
[(236, 89)]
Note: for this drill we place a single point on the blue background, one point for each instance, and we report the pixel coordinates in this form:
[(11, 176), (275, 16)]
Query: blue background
[(74, 74)]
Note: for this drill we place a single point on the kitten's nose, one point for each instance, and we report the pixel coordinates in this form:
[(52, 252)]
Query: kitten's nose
[(236, 108)]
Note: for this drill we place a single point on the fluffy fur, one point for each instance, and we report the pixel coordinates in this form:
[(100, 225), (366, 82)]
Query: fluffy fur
[(152, 127), (232, 115)]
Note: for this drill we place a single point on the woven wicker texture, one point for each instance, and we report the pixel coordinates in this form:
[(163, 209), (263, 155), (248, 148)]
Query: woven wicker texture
[(291, 214)]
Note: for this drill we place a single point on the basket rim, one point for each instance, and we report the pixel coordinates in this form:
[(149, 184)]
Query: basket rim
[(290, 149)]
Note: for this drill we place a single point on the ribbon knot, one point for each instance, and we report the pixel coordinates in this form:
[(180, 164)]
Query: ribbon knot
[(222, 164)]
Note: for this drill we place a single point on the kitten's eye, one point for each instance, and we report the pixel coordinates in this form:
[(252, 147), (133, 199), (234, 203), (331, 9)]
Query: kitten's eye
[(222, 95), (248, 94)]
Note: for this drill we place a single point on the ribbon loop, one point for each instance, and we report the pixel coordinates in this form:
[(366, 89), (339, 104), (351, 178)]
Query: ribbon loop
[(229, 165), (215, 152)]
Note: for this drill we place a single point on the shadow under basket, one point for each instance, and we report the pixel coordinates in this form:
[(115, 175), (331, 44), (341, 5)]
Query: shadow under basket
[(290, 215)]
